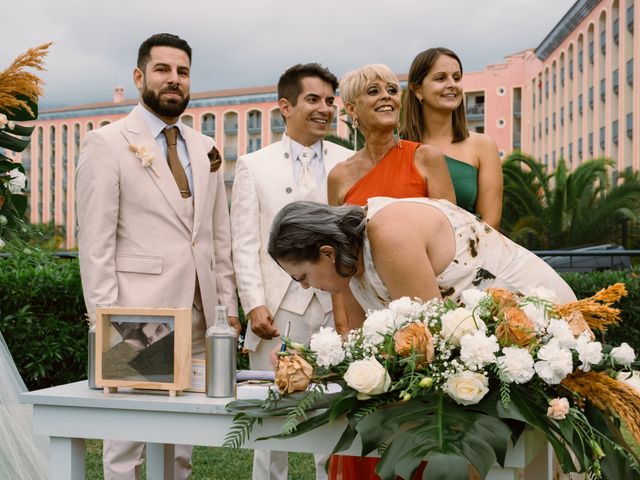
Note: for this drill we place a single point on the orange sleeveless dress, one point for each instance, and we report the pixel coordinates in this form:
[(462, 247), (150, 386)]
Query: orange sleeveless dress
[(394, 176)]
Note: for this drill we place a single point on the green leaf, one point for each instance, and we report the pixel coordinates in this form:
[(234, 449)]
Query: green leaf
[(344, 405), (13, 143), (346, 439), (22, 130), (446, 466)]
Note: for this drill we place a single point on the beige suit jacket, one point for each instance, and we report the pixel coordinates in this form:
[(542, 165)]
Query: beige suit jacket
[(263, 185), (138, 246)]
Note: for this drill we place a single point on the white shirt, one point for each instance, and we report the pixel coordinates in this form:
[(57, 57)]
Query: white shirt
[(316, 165), (156, 126)]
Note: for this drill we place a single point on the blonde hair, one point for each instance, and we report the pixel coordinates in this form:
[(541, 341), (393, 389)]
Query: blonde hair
[(354, 83)]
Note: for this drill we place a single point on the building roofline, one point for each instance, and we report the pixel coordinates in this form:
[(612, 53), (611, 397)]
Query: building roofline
[(567, 24)]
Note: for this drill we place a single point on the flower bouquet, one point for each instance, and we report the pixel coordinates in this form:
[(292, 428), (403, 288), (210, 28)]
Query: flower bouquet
[(456, 384)]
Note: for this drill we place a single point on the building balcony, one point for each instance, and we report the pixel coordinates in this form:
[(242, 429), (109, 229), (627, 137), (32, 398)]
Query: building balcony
[(230, 154), (277, 125), (475, 112), (231, 128), (254, 128)]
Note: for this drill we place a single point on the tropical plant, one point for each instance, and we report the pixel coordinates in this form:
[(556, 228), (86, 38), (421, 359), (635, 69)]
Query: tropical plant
[(563, 208), (19, 92)]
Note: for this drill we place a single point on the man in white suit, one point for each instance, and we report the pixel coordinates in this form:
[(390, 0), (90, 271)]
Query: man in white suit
[(153, 221), (294, 168)]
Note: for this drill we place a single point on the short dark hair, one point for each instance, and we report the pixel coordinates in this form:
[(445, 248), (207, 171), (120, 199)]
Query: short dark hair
[(290, 83), (301, 228), (413, 123), (160, 40)]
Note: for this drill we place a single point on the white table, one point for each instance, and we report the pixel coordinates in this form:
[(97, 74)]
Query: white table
[(70, 413)]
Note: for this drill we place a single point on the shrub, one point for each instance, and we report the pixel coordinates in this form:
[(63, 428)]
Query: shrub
[(42, 317), (586, 284)]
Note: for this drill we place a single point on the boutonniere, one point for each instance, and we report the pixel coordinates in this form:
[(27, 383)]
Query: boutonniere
[(145, 156)]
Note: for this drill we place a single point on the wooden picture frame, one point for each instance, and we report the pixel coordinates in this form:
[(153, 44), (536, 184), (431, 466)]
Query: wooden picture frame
[(146, 348)]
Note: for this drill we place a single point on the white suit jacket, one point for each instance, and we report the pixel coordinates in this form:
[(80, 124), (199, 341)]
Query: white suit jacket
[(138, 246), (264, 184)]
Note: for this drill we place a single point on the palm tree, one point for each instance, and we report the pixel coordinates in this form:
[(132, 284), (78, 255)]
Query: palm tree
[(566, 209)]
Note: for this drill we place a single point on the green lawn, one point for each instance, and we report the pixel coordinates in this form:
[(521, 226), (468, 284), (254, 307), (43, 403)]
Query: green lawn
[(213, 463)]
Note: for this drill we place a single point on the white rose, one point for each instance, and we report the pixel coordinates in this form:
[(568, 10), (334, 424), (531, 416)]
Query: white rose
[(477, 350), (554, 363), (472, 297), (377, 324), (624, 354), (404, 308), (544, 293), (467, 388), (516, 364), (561, 332), (327, 345), (18, 181), (558, 408), (2, 244), (457, 323), (630, 378), (367, 376), (537, 314), (589, 353)]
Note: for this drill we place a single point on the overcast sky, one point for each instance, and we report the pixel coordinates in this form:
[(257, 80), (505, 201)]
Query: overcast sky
[(242, 43)]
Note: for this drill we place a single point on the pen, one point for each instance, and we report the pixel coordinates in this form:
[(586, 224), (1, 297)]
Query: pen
[(283, 347)]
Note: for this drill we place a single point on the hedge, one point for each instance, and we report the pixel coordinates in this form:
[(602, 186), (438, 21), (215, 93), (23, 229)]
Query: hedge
[(42, 314)]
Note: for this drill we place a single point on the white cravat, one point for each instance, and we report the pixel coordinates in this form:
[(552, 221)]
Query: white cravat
[(306, 182)]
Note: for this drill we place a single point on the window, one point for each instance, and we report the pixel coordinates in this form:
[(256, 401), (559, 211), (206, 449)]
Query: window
[(553, 120), (630, 18), (562, 76), (570, 108), (561, 116), (603, 41), (590, 138), (561, 152), (539, 129), (602, 139), (580, 61), (603, 86), (580, 103), (615, 30), (580, 148), (630, 72), (591, 49), (614, 132), (553, 83), (615, 80), (571, 69), (546, 125), (591, 97), (629, 125), (570, 149)]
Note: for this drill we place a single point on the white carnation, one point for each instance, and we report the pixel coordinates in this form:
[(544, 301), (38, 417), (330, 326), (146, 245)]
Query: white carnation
[(589, 353), (477, 350), (402, 306), (368, 377), (467, 388), (457, 323), (561, 331), (544, 293), (18, 181), (630, 378), (537, 314), (554, 362), (624, 354), (327, 345), (377, 324), (472, 297), (516, 364)]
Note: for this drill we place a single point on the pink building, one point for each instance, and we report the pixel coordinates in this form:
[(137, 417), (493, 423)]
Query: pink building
[(572, 97)]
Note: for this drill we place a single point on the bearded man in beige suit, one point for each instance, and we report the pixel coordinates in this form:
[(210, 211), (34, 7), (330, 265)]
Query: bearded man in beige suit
[(153, 221), (294, 168)]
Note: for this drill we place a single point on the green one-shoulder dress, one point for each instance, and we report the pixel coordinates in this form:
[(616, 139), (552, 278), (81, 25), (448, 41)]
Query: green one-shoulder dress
[(465, 183)]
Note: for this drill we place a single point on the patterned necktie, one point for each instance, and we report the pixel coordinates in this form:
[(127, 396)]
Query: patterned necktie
[(306, 182), (171, 134)]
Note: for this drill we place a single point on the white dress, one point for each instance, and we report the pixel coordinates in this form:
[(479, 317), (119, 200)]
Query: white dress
[(484, 258), (22, 457)]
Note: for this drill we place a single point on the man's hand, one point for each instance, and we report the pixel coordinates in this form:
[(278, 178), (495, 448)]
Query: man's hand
[(262, 323), (235, 323)]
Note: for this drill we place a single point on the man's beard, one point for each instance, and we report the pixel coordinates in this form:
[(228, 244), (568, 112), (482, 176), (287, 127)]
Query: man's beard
[(172, 108)]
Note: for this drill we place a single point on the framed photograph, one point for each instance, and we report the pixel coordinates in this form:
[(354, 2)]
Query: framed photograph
[(147, 348)]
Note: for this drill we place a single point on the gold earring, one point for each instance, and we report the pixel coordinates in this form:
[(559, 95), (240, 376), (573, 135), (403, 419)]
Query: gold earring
[(355, 134)]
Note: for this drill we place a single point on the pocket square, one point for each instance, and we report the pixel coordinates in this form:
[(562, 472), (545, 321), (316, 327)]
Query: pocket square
[(215, 160)]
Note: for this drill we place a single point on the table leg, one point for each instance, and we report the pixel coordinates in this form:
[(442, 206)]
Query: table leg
[(67, 458), (155, 461)]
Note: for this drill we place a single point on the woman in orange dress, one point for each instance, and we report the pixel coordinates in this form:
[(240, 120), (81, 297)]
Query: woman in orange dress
[(385, 166)]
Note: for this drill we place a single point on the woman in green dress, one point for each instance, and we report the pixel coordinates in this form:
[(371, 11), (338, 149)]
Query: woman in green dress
[(434, 114)]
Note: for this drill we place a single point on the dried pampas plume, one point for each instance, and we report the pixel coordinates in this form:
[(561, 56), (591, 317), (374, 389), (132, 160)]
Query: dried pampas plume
[(597, 310), (16, 84), (608, 395)]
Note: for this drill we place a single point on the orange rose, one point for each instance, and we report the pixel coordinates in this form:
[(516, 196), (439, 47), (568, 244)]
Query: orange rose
[(503, 297), (578, 324), (416, 336), (515, 328), (293, 374)]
